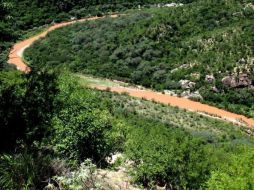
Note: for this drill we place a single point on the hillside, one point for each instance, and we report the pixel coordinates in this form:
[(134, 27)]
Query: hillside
[(21, 18), (57, 133), (197, 50), (68, 123)]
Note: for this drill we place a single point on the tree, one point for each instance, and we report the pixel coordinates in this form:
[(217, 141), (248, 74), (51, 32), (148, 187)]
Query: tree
[(12, 92), (26, 106), (82, 126), (238, 174)]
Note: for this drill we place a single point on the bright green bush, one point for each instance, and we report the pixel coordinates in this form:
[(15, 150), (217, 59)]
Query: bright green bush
[(237, 174), (163, 155), (12, 91), (81, 132), (81, 128)]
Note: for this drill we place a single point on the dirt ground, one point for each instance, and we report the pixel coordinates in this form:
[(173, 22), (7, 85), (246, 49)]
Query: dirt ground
[(15, 58)]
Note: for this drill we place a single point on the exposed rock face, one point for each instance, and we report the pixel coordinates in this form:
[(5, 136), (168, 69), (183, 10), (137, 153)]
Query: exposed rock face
[(169, 92), (192, 95), (209, 78), (172, 5), (243, 80), (186, 84)]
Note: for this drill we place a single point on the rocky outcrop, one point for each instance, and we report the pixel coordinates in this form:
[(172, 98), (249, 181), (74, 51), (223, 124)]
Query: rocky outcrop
[(187, 84), (192, 95), (169, 92), (209, 78), (233, 81)]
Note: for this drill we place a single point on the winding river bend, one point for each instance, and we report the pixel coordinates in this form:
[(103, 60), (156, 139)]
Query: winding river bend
[(15, 58)]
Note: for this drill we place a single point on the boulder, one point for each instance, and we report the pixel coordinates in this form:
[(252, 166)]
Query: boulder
[(209, 78), (227, 81), (185, 94), (173, 5), (242, 80), (192, 95), (170, 92), (187, 84)]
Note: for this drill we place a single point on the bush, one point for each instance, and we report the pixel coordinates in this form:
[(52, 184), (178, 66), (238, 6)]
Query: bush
[(13, 125), (24, 171), (85, 177), (167, 156), (236, 174), (81, 128)]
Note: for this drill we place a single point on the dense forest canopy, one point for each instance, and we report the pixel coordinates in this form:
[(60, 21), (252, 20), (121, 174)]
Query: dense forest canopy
[(202, 50), (17, 16), (50, 123)]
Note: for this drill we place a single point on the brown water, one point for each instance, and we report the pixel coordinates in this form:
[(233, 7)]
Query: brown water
[(15, 58)]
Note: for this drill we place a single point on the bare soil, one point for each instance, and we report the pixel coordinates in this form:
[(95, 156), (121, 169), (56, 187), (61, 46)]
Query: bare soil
[(15, 58)]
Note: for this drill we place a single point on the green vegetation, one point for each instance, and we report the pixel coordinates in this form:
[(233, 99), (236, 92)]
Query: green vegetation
[(24, 171), (36, 122), (232, 175), (162, 149), (159, 47), (65, 123), (55, 132), (210, 130), (19, 16)]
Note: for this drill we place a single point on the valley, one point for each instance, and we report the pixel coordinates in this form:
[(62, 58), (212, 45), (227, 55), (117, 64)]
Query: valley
[(126, 95)]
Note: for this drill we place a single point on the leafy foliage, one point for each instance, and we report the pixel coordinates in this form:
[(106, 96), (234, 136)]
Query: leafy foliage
[(19, 16), (237, 174), (81, 128), (173, 146), (167, 157), (84, 123), (159, 47), (12, 91), (26, 106), (56, 118), (24, 171)]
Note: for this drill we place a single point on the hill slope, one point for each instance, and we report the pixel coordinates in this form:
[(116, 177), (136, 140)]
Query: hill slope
[(197, 47), (50, 125)]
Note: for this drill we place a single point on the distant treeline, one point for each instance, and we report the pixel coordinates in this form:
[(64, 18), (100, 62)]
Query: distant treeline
[(36, 13), (50, 124), (157, 48), (18, 16)]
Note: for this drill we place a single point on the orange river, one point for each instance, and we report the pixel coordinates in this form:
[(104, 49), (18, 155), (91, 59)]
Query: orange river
[(15, 58)]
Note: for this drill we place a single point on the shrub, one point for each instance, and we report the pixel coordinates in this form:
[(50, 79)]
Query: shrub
[(85, 178), (81, 128), (165, 156), (235, 174), (24, 171)]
